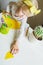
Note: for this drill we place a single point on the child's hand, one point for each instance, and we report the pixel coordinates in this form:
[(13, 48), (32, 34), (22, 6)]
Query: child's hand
[(14, 48)]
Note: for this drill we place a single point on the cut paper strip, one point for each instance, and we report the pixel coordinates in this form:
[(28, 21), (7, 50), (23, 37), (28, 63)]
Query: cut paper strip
[(9, 55), (37, 12), (28, 3), (34, 10)]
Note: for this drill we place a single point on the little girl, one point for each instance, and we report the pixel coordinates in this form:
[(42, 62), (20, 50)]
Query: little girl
[(21, 12)]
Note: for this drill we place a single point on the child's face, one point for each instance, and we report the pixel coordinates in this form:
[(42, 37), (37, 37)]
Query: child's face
[(19, 14)]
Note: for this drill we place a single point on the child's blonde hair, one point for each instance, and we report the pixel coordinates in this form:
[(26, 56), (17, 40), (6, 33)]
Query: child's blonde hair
[(24, 7), (11, 6), (35, 3)]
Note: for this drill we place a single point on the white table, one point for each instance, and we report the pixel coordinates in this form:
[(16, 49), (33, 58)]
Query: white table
[(29, 53)]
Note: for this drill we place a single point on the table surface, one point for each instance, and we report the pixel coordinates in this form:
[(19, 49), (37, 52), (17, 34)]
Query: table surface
[(29, 53)]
